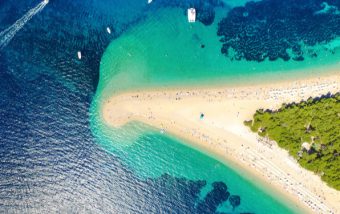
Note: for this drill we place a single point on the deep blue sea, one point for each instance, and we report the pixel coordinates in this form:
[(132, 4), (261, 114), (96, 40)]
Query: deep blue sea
[(49, 160)]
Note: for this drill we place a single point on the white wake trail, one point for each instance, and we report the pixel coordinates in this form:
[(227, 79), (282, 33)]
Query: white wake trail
[(7, 35)]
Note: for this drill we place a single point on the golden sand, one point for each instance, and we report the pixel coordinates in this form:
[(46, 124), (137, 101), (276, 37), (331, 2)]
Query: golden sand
[(221, 132)]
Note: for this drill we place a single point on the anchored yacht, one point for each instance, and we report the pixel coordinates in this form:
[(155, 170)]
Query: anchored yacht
[(191, 14)]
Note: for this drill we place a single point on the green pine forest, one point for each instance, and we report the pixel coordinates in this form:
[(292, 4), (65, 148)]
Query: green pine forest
[(315, 121)]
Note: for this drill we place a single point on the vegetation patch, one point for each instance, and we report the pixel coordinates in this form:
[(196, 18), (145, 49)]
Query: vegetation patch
[(309, 130)]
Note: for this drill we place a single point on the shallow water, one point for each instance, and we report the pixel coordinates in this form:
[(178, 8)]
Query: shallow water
[(56, 155), (165, 50)]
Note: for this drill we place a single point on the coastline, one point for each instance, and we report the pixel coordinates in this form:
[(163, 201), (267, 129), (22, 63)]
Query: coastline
[(222, 133), (149, 58)]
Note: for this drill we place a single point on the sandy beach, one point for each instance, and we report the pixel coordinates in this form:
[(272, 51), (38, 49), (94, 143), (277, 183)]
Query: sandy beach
[(222, 133)]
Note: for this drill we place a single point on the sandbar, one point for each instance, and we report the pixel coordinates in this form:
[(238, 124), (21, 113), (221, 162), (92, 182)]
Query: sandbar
[(221, 132)]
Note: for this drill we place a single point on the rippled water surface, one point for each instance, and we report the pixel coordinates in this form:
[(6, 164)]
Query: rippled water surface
[(57, 156)]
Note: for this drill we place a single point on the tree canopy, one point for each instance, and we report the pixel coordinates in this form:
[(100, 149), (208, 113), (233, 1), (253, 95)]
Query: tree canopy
[(315, 121)]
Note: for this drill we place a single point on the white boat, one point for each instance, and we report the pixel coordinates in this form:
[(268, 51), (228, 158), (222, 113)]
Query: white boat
[(191, 14), (108, 30), (46, 1), (79, 55), (149, 1)]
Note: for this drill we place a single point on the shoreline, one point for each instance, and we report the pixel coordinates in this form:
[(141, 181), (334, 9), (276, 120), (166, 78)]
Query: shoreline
[(251, 80), (270, 188), (222, 133)]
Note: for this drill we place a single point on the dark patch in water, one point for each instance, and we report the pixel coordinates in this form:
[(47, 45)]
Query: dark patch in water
[(189, 197), (235, 201), (214, 198), (267, 29)]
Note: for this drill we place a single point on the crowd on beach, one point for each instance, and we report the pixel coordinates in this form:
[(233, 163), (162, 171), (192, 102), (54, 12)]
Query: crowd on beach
[(262, 163), (262, 153), (294, 91)]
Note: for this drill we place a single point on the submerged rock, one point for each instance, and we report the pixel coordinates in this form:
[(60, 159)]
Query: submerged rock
[(235, 201), (214, 198), (271, 29), (206, 15)]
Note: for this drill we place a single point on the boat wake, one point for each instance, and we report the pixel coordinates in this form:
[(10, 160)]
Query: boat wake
[(7, 35)]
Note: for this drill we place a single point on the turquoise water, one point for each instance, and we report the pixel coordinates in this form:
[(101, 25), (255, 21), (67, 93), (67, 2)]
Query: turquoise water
[(164, 50), (57, 157), (151, 154)]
